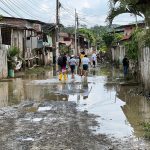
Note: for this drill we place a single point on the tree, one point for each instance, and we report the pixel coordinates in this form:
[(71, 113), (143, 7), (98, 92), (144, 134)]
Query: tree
[(136, 7), (108, 38), (93, 34), (88, 34)]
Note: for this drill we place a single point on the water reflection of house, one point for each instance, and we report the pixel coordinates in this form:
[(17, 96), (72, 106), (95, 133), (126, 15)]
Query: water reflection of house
[(137, 108), (16, 91), (45, 92), (11, 92), (28, 36), (3, 94)]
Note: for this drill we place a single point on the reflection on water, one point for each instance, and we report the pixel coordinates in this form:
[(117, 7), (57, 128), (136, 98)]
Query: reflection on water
[(3, 94), (120, 112), (137, 108)]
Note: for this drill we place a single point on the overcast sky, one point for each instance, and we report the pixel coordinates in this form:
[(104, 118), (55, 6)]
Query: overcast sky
[(91, 12)]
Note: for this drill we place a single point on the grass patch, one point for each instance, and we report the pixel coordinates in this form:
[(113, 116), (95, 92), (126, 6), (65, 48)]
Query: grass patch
[(38, 70)]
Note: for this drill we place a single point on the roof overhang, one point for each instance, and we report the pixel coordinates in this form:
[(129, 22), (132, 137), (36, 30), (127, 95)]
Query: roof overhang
[(67, 43)]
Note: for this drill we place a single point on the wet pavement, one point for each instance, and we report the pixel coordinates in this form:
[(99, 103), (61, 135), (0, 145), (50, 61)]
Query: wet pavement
[(40, 112)]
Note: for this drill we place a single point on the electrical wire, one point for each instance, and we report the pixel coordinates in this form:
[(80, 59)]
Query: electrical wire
[(13, 5), (35, 8), (20, 7), (10, 8), (21, 10), (6, 12)]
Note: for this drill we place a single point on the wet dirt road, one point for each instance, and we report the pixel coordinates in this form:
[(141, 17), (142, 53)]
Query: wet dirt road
[(37, 112)]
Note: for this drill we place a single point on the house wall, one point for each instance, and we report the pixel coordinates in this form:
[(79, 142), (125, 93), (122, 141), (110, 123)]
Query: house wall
[(128, 31), (118, 53), (27, 36), (145, 67), (33, 43), (17, 39), (49, 56)]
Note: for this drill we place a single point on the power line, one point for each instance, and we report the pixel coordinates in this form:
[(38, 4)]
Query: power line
[(20, 7), (6, 12), (34, 7), (67, 11), (10, 8), (12, 4)]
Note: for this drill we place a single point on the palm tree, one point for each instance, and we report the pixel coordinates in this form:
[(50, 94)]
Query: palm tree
[(136, 7)]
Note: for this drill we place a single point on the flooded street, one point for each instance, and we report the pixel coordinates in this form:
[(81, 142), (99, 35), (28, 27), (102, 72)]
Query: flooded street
[(38, 112)]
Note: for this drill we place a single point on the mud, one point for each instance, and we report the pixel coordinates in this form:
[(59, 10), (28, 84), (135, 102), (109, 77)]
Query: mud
[(53, 126), (41, 113)]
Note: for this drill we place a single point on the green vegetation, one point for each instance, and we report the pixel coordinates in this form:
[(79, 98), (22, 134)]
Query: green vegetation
[(70, 29), (89, 35), (136, 7), (146, 127), (103, 48), (13, 51), (12, 54), (132, 46), (140, 38), (108, 39), (144, 38), (38, 70), (64, 49), (93, 34)]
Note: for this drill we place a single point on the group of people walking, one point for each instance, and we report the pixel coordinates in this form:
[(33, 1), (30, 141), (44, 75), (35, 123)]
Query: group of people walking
[(65, 62), (82, 64)]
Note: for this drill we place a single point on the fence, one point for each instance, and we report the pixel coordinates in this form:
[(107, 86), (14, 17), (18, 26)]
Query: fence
[(3, 63), (145, 67)]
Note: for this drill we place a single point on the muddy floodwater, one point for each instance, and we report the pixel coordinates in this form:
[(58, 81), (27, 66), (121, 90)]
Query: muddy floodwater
[(38, 112)]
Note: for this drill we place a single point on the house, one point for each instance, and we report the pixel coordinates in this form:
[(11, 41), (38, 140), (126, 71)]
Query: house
[(84, 44), (27, 35), (118, 50), (67, 40), (142, 69)]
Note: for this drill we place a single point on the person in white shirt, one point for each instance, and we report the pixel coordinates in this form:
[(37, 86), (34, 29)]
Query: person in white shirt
[(94, 58), (85, 63), (72, 64)]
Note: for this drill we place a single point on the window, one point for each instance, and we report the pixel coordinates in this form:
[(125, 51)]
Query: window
[(6, 36)]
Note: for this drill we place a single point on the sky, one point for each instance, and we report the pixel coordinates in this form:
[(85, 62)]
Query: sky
[(90, 12)]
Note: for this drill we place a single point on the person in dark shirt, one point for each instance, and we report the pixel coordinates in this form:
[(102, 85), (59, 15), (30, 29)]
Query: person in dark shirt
[(62, 62), (125, 65)]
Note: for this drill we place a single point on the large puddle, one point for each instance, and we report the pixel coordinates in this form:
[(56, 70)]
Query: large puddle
[(120, 113)]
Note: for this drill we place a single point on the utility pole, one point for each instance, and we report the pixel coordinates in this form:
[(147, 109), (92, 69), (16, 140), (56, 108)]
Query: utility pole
[(78, 44), (76, 33), (57, 29)]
